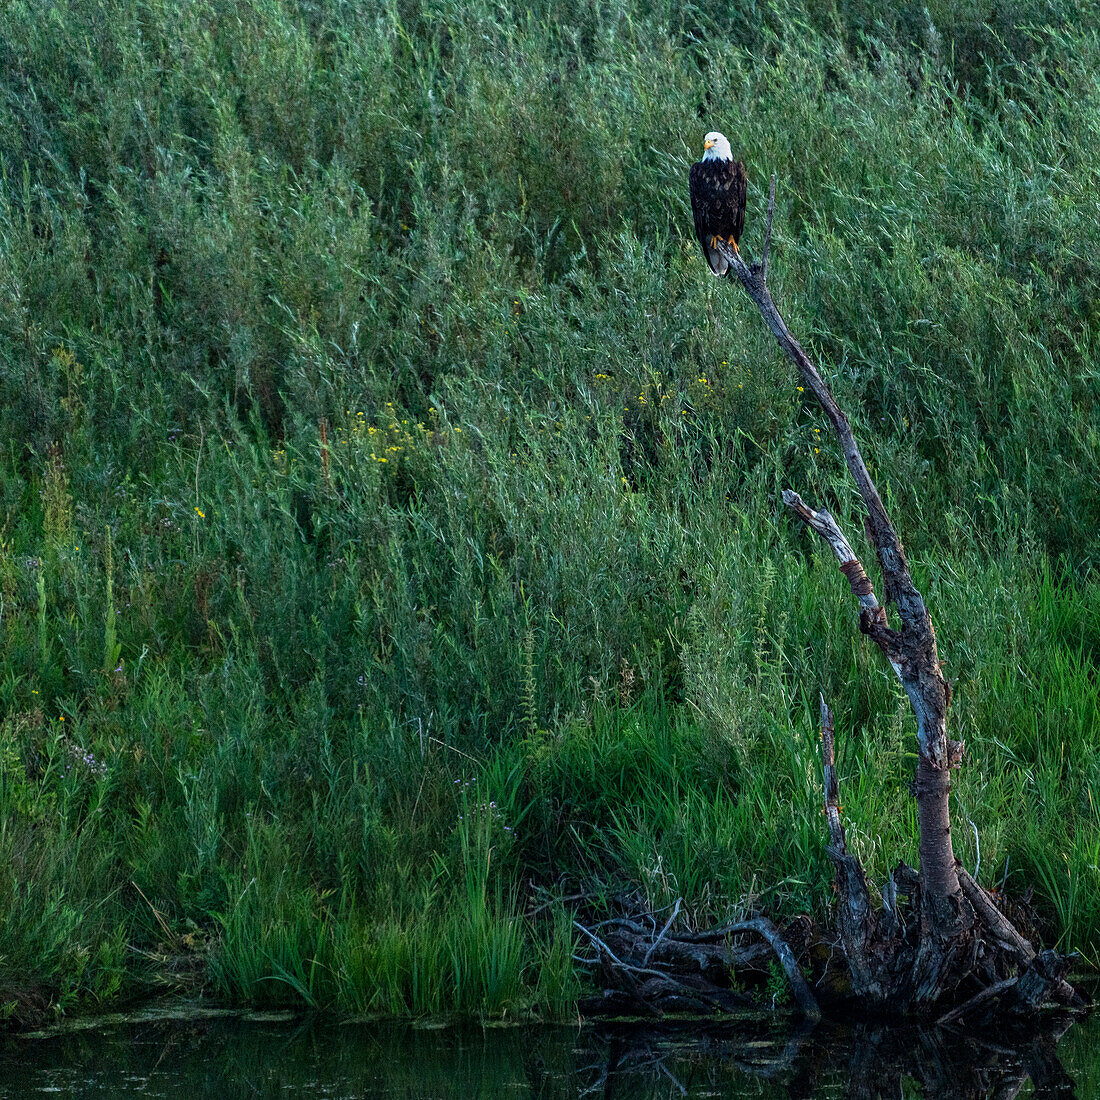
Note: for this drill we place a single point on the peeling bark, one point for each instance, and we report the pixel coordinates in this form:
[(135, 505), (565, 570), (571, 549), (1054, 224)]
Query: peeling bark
[(855, 915), (950, 937), (911, 650)]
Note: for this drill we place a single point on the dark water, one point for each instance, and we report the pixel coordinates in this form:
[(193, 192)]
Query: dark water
[(156, 1055)]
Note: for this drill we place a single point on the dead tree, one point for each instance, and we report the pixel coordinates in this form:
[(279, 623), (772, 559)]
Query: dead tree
[(954, 945)]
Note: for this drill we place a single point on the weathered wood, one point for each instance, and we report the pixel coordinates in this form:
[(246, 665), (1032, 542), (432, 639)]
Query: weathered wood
[(1034, 987), (932, 785), (824, 524), (995, 921), (854, 913), (911, 650), (803, 997), (661, 971), (661, 934), (977, 1001), (931, 950), (1005, 933)]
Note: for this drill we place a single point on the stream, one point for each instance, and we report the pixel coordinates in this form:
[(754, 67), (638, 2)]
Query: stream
[(188, 1052)]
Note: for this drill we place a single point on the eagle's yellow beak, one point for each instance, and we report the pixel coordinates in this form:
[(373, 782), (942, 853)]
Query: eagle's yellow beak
[(708, 145)]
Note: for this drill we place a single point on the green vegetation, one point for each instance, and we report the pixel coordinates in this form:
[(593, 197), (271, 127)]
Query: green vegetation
[(389, 497)]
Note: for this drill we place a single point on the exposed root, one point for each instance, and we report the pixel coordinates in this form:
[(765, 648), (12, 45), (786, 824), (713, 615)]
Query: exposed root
[(650, 972), (895, 960), (908, 959)]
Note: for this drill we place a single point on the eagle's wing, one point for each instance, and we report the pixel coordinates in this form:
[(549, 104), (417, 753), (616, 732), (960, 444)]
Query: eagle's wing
[(739, 196), (702, 202)]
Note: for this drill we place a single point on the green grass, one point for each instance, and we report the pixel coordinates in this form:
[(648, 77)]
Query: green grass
[(389, 498)]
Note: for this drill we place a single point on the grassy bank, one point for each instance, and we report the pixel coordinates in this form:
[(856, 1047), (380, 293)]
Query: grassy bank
[(389, 498)]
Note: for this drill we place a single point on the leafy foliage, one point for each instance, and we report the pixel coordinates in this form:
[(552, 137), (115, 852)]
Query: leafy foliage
[(374, 435)]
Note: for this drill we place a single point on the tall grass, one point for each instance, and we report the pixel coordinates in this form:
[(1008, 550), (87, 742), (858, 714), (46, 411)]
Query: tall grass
[(389, 499)]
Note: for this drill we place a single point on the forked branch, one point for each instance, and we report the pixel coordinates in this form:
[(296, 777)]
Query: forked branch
[(911, 650), (899, 584), (872, 619)]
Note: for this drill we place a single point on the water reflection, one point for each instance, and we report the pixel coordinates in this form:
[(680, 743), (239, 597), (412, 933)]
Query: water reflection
[(220, 1056), (861, 1062)]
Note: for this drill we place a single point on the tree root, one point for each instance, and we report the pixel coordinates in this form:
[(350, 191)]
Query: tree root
[(892, 960), (652, 973)]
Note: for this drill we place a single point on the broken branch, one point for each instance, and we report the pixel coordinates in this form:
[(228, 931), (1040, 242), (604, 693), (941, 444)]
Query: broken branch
[(911, 651), (855, 916)]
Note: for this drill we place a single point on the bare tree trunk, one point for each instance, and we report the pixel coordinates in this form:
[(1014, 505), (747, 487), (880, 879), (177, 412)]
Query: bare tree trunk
[(960, 935), (939, 938), (911, 650)]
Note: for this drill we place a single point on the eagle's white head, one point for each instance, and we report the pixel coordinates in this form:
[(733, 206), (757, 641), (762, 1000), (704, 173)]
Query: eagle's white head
[(716, 147)]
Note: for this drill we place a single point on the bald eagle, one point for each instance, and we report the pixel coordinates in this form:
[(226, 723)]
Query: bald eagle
[(717, 186)]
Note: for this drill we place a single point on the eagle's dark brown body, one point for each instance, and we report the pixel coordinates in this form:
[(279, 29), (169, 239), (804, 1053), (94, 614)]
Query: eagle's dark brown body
[(718, 190)]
